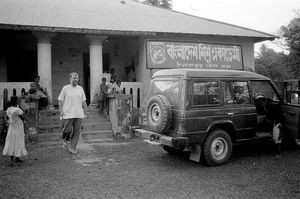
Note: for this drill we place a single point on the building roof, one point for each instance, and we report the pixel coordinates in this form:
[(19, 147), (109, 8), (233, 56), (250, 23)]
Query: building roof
[(209, 73), (112, 17)]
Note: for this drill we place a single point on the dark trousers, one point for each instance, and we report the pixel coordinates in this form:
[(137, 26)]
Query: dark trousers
[(71, 130), (104, 104)]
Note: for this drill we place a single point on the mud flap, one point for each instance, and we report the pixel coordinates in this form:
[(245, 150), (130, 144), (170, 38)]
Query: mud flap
[(196, 153)]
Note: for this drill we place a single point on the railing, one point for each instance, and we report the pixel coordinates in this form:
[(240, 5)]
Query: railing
[(136, 89), (8, 89)]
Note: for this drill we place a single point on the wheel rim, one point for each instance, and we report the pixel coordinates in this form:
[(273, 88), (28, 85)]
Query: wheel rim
[(155, 112), (219, 148)]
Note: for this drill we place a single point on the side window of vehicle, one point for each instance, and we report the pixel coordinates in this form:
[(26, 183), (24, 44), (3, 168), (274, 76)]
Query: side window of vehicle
[(235, 92), (206, 93)]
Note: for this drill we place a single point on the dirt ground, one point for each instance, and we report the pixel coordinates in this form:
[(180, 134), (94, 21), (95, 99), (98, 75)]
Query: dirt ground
[(135, 169)]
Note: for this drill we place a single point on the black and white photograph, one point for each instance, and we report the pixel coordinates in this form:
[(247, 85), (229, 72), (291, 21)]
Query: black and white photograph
[(149, 99)]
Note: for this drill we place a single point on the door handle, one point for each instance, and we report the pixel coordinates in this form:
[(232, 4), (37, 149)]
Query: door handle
[(230, 114)]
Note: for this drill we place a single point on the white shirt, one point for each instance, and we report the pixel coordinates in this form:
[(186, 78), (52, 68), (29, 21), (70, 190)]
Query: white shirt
[(111, 86), (72, 98)]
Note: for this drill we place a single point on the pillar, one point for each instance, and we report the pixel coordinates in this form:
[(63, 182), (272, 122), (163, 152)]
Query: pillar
[(44, 62), (96, 62)]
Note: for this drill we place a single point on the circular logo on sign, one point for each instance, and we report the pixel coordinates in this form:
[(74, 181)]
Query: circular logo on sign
[(157, 55)]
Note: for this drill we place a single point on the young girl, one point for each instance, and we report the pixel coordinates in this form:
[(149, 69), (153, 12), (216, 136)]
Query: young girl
[(15, 142)]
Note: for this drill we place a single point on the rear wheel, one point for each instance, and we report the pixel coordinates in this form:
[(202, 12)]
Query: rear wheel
[(217, 148)]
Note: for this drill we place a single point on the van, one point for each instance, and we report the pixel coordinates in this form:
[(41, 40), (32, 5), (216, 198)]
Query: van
[(206, 111)]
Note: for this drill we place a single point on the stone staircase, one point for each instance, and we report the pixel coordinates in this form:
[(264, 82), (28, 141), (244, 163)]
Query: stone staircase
[(95, 128)]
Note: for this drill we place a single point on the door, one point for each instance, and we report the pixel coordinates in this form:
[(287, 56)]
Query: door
[(266, 100), (238, 108), (205, 105), (291, 107)]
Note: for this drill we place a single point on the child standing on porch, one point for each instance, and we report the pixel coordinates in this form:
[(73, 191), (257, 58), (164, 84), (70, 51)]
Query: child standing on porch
[(103, 95), (15, 141)]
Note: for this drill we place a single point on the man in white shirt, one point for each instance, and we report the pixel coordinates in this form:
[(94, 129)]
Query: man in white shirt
[(72, 105)]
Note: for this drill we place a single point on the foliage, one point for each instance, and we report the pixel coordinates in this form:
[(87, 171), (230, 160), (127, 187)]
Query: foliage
[(291, 34), (160, 3), (272, 64)]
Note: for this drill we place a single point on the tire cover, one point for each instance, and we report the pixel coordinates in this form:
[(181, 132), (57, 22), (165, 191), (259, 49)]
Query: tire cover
[(159, 114)]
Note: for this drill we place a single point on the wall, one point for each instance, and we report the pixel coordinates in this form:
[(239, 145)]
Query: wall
[(122, 51), (67, 57), (247, 44)]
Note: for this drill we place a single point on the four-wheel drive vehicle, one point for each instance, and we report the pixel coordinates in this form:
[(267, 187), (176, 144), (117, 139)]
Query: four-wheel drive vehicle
[(207, 111)]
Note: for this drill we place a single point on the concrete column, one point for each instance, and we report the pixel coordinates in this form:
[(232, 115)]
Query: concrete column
[(96, 62), (44, 62)]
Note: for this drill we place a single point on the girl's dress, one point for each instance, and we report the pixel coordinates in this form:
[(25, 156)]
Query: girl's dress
[(15, 142)]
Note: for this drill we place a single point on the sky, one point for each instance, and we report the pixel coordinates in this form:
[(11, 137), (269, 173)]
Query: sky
[(262, 15)]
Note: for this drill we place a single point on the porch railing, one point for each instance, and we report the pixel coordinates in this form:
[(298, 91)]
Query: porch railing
[(8, 89), (136, 89)]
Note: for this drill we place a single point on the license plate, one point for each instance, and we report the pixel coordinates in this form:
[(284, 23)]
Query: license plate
[(154, 138)]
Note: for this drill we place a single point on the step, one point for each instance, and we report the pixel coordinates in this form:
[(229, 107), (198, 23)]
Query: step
[(86, 136), (52, 121), (94, 119), (89, 135), (87, 119), (96, 126), (49, 113), (53, 129), (50, 137), (57, 121), (100, 140)]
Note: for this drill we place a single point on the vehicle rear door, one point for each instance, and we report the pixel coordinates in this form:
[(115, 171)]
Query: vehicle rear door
[(291, 107)]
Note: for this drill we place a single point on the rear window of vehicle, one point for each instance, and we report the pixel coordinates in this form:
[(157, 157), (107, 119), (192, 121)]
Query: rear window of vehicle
[(205, 93), (169, 88)]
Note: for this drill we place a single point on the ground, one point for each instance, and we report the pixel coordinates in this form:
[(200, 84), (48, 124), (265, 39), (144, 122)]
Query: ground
[(134, 169)]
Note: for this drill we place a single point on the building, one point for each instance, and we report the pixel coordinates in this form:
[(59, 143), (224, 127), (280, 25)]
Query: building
[(55, 37)]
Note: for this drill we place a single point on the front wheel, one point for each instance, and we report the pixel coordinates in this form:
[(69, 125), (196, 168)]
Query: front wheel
[(217, 148)]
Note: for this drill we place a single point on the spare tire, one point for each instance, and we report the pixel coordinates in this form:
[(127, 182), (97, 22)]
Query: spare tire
[(159, 114)]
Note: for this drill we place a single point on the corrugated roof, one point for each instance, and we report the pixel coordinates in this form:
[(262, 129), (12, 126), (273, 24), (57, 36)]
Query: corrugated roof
[(112, 15)]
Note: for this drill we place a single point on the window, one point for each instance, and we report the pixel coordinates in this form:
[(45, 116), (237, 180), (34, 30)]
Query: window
[(263, 88), (205, 93), (169, 88), (235, 92)]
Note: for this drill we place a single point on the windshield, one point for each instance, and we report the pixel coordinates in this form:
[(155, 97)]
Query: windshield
[(264, 88), (169, 88)]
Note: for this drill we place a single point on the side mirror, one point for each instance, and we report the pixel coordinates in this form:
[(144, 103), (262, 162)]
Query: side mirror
[(294, 98)]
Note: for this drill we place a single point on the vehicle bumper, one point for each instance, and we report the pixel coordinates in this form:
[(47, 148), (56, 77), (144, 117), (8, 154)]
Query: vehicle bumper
[(159, 139)]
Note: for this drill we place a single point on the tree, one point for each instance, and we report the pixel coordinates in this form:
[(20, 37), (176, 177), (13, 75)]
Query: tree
[(291, 34), (272, 64), (161, 3)]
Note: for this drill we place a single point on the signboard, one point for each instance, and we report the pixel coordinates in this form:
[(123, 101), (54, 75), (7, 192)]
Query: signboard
[(193, 55)]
